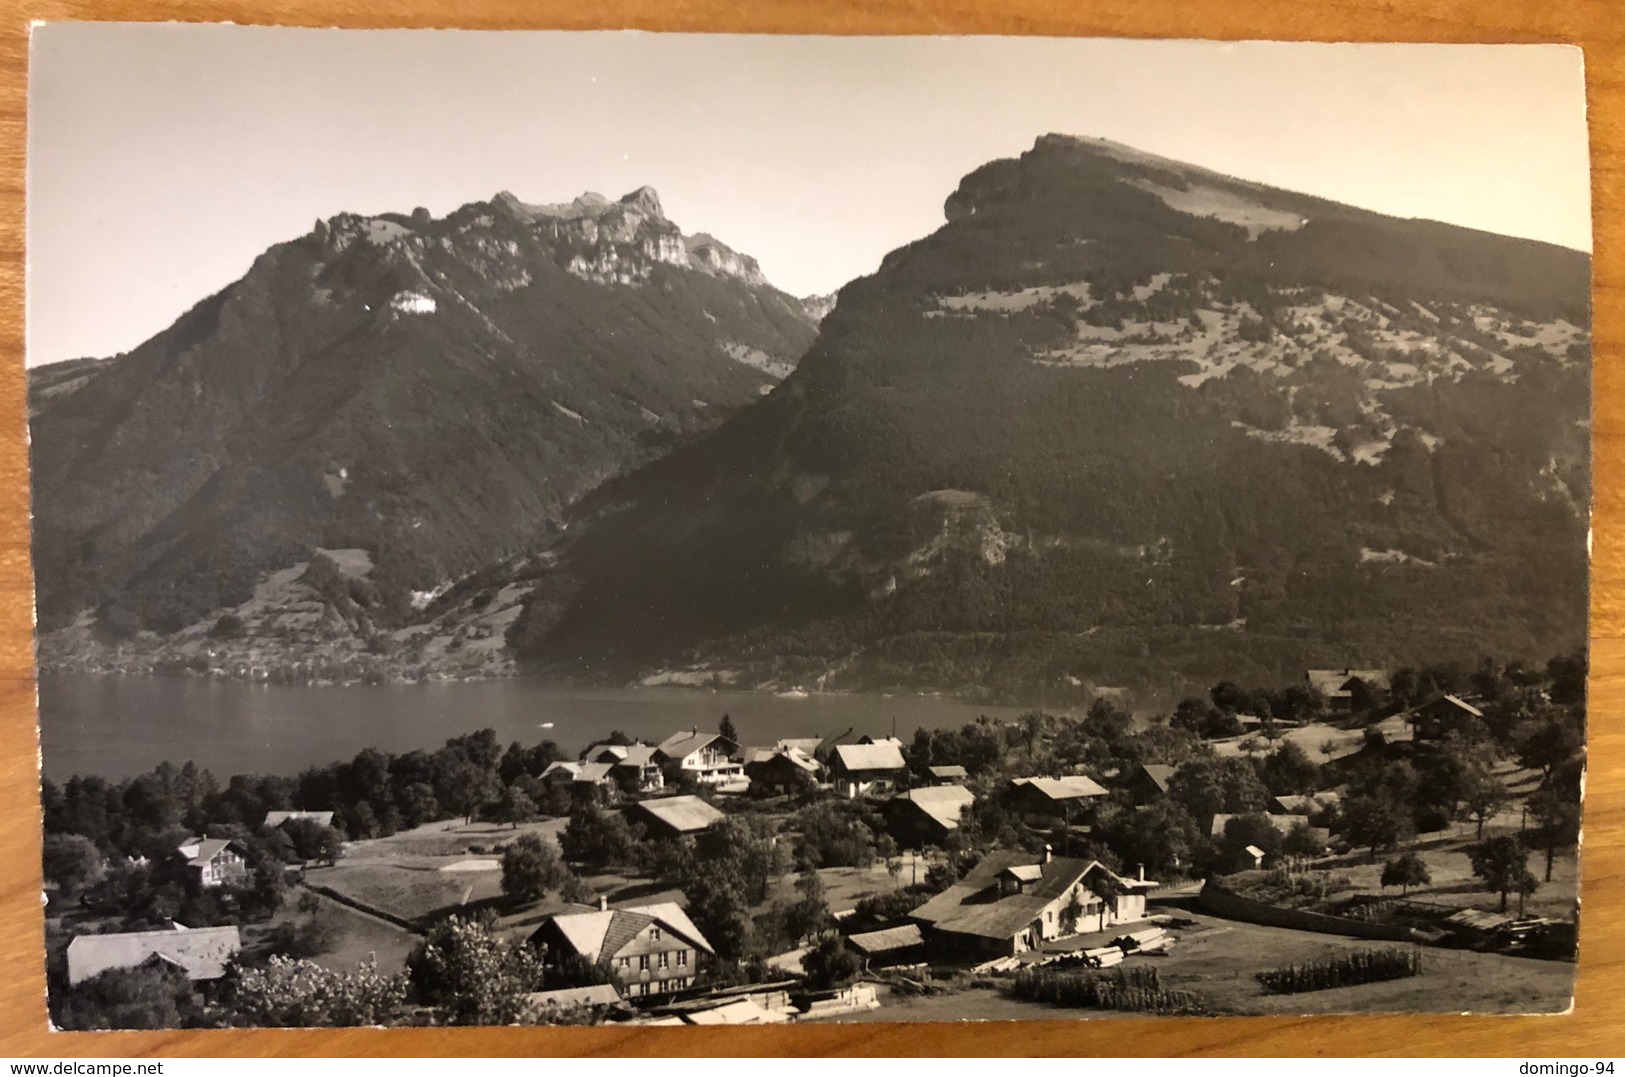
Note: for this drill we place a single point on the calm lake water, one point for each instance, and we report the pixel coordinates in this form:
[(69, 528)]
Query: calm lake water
[(117, 726)]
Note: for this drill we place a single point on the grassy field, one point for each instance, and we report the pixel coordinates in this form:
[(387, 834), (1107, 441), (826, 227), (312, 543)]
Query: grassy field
[(1217, 960)]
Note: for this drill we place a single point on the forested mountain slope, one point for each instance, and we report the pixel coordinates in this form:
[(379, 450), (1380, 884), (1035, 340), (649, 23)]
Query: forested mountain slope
[(1120, 421)]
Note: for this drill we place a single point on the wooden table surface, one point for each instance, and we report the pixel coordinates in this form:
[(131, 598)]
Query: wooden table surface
[(1595, 1029)]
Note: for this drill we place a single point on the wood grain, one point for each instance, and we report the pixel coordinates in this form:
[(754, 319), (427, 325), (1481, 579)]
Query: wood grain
[(1596, 1028)]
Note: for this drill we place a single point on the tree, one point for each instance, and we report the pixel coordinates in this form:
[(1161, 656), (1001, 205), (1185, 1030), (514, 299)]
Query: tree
[(146, 997), (1206, 787), (830, 964), (314, 842), (1373, 822), (515, 807), (1289, 769), (597, 838), (1161, 835), (1406, 871), (722, 914), (1303, 841), (72, 862), (530, 868), (1556, 812), (1244, 830), (726, 730), (1548, 742), (808, 917), (1503, 864), (418, 804), (1329, 748), (1483, 795), (295, 993), (471, 974)]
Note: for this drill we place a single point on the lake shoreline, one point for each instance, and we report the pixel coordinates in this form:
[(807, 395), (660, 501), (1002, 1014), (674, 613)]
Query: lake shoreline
[(116, 725)]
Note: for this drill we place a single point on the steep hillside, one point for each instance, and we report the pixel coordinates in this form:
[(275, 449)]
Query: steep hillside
[(1121, 421), (432, 392)]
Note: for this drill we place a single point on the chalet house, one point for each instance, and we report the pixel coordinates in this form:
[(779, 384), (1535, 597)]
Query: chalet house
[(867, 769), (902, 945), (1445, 715), (1304, 804), (1338, 687), (706, 757), (1043, 801), (926, 816), (781, 770), (807, 746), (1149, 782), (632, 767), (673, 817), (654, 950), (585, 780), (212, 861), (1012, 902), (202, 953), (953, 775)]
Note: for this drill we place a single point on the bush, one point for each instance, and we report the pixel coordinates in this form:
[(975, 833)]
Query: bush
[(1344, 970), (1136, 990)]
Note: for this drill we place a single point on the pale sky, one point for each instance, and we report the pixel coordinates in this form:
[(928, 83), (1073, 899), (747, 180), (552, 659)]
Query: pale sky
[(164, 158)]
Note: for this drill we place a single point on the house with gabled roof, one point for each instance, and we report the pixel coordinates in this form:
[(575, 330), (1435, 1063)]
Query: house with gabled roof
[(585, 780), (212, 862), (927, 815), (781, 770), (1304, 804), (1015, 901), (1149, 781), (632, 767), (1338, 686), (867, 769), (948, 775), (708, 758), (1044, 801), (1446, 714), (202, 953), (653, 950), (673, 817)]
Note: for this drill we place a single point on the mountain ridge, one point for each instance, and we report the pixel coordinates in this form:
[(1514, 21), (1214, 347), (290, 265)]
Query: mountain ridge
[(1263, 356), (434, 390)]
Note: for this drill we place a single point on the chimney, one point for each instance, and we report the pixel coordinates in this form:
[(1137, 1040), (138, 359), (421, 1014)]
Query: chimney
[(603, 903), (1142, 873), (1048, 853)]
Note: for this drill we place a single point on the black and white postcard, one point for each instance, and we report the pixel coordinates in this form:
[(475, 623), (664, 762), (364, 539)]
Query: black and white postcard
[(548, 528)]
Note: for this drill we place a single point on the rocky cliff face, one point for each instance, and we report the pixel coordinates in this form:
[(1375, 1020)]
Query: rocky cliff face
[(1122, 421), (433, 392)]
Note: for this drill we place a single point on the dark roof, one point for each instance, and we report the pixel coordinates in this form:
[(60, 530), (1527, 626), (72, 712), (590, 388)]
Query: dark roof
[(972, 906), (1159, 773)]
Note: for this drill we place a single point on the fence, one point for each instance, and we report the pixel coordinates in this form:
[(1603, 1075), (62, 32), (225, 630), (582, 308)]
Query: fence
[(1235, 907)]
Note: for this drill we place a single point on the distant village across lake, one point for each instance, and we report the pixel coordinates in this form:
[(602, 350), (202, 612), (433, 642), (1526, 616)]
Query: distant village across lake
[(1358, 840)]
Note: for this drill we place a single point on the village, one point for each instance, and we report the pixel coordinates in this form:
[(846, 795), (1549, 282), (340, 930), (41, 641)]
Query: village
[(1360, 840)]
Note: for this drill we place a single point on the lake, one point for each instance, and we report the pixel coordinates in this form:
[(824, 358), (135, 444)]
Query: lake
[(117, 726)]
